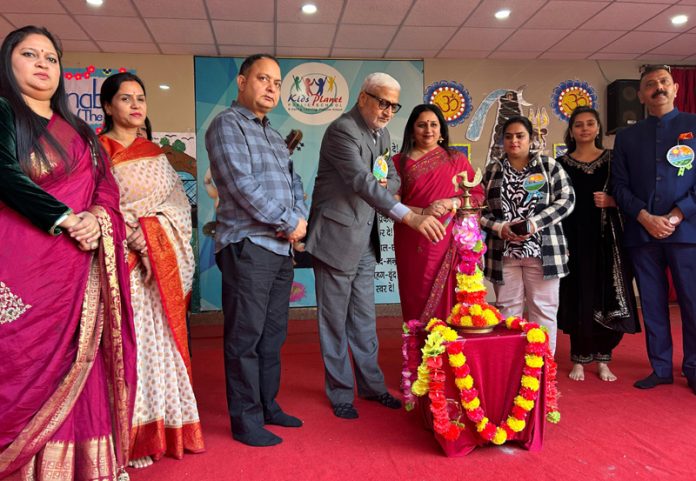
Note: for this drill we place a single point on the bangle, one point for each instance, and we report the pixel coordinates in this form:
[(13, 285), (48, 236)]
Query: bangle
[(422, 210)]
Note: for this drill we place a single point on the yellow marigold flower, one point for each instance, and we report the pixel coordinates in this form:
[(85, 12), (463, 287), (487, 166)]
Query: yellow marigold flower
[(450, 334), (500, 436), (419, 388), (468, 382), (472, 286), (431, 323), (515, 424), (524, 403), (457, 360), (508, 321), (536, 335), (476, 310), (423, 371), (533, 361), (490, 317), (433, 345), (455, 309), (482, 424), (466, 321), (476, 402), (530, 382)]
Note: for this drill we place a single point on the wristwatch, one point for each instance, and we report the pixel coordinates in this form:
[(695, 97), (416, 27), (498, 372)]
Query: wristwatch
[(674, 220)]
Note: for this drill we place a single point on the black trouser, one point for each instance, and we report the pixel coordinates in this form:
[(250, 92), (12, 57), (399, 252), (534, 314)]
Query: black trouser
[(256, 287), (595, 345)]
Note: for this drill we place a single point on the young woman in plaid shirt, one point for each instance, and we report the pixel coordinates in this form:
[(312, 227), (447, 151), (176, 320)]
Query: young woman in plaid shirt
[(527, 195)]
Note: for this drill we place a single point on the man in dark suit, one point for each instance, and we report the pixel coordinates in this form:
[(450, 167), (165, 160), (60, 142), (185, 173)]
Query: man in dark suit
[(657, 191), (344, 240)]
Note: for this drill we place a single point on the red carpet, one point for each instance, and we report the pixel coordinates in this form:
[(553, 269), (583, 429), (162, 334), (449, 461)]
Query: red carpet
[(608, 431)]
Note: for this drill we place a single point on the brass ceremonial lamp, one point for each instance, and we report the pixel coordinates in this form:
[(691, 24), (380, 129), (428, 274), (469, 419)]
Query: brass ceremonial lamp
[(466, 185), (469, 291)]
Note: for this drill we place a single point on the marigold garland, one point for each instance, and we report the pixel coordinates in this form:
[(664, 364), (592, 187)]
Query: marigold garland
[(437, 349)]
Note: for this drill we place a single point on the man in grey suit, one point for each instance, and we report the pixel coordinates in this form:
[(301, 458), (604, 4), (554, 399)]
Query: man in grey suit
[(344, 240)]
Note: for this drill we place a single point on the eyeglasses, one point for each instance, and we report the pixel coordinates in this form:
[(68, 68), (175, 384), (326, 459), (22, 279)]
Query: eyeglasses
[(385, 104), (646, 69)]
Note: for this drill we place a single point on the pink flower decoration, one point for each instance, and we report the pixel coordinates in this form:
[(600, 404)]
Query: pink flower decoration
[(297, 292)]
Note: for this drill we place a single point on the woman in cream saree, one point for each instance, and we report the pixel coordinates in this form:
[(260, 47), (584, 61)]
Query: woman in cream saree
[(158, 215)]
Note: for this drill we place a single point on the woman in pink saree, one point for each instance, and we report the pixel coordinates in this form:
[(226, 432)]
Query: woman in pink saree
[(158, 223), (66, 334), (426, 165)]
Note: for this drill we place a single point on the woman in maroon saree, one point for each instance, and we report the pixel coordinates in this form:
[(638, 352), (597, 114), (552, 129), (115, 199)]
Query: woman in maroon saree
[(66, 333), (426, 165)]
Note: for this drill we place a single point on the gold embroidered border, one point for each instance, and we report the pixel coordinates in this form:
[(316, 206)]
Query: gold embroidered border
[(57, 462), (440, 282), (426, 164), (113, 337)]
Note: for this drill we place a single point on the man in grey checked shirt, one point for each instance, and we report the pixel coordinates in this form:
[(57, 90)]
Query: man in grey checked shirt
[(261, 212)]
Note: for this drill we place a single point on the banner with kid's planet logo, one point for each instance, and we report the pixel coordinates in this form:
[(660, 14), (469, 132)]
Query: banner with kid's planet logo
[(313, 93)]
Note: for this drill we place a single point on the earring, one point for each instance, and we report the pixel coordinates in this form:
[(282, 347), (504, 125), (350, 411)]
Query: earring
[(440, 140)]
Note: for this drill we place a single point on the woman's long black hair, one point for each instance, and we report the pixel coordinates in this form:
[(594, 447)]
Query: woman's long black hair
[(409, 142), (107, 93), (29, 125)]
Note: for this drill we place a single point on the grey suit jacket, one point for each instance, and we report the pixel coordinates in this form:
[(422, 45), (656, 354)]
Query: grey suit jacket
[(346, 193)]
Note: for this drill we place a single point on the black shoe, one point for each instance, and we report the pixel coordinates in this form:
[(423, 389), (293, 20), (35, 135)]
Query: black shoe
[(651, 381), (386, 399), (345, 411), (284, 419), (259, 437), (691, 381)]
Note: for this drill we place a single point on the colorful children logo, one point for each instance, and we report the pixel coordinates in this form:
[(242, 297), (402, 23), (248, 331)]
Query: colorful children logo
[(681, 157), (381, 168), (532, 185), (314, 93)]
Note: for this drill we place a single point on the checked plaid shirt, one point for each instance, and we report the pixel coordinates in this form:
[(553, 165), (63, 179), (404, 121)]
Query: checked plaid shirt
[(558, 201), (260, 194)]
